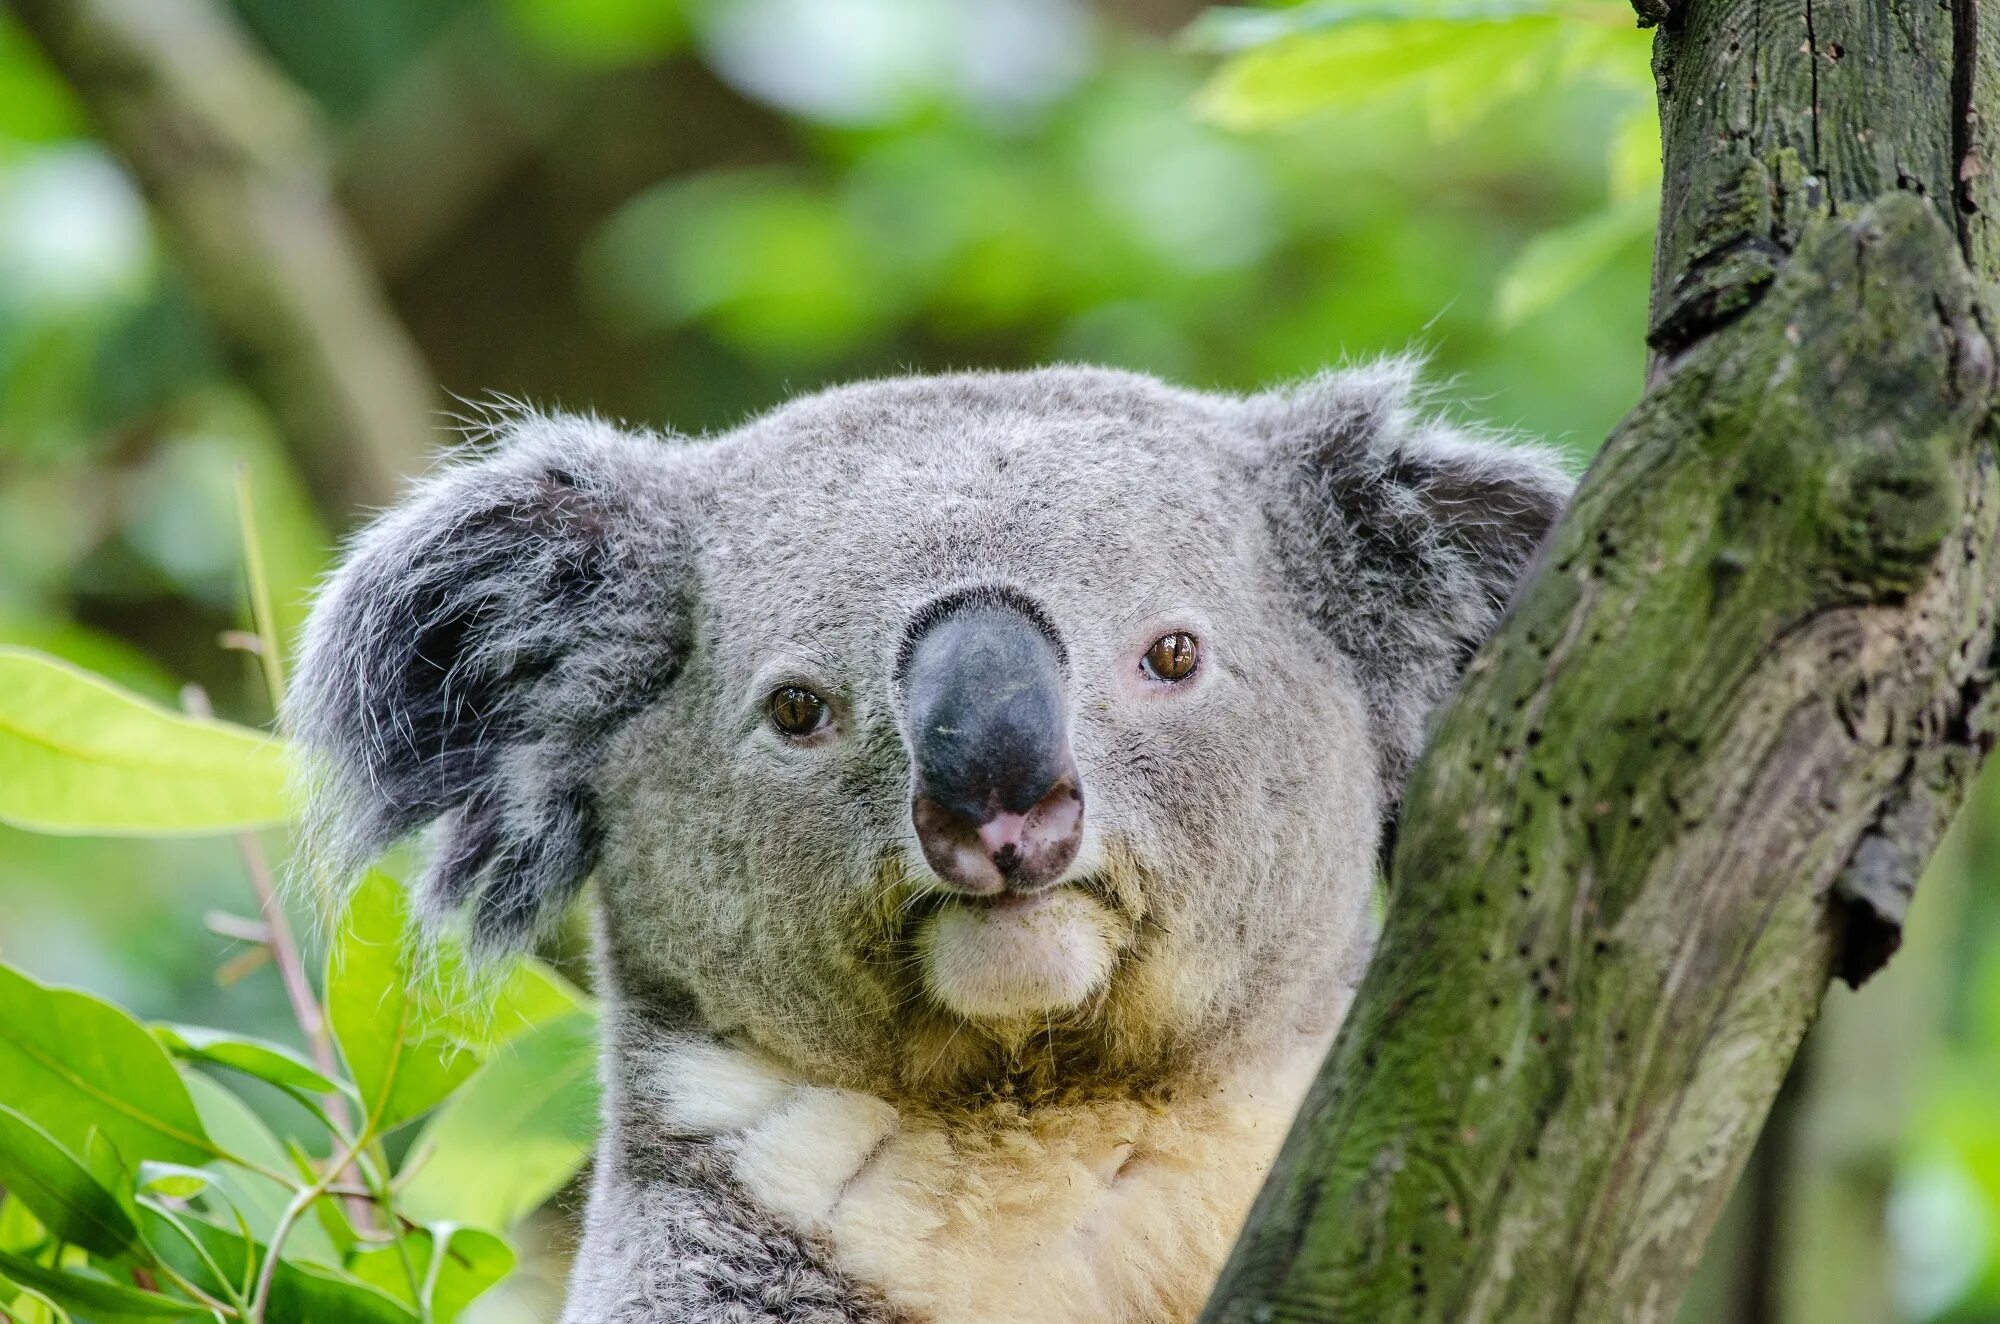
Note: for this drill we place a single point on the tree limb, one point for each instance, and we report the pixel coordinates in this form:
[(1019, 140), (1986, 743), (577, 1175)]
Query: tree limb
[(1695, 773), (232, 161)]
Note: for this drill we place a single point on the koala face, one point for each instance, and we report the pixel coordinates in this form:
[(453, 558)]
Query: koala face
[(931, 734)]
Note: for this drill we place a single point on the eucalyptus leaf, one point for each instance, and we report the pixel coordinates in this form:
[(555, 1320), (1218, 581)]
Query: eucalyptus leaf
[(95, 1299), (1370, 63), (407, 1033), (514, 1134), (532, 994), (59, 1190), (74, 1062), (80, 755), (300, 1293), (255, 1057), (260, 1199), (1227, 31), (472, 1261), (174, 1180)]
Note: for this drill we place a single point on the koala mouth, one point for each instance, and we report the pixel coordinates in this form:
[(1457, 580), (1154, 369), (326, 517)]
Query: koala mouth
[(1018, 955)]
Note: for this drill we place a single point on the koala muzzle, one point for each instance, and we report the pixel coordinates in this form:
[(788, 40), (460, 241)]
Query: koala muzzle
[(997, 802)]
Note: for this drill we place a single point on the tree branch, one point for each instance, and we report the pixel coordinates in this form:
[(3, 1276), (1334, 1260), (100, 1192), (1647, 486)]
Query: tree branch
[(232, 161), (1696, 770)]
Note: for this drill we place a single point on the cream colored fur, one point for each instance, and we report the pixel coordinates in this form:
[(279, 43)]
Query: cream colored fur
[(1110, 1211)]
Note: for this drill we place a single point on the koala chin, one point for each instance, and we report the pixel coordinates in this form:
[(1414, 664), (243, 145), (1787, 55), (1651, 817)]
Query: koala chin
[(982, 780)]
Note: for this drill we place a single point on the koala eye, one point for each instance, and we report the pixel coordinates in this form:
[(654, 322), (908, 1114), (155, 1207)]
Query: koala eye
[(1172, 657), (797, 711)]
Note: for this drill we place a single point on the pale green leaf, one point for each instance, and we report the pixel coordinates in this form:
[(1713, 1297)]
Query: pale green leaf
[(74, 1062), (1369, 63), (1227, 31), (514, 1134), (79, 755), (1509, 61), (1555, 263), (58, 1189), (176, 1181), (261, 1199)]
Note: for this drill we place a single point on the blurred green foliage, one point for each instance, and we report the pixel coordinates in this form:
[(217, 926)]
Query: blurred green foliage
[(683, 211)]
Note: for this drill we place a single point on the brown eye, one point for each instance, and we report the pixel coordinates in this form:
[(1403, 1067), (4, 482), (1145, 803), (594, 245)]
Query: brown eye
[(796, 711), (1172, 656)]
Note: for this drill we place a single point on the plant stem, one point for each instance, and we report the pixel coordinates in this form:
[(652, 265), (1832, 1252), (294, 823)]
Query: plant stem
[(260, 1297), (270, 651)]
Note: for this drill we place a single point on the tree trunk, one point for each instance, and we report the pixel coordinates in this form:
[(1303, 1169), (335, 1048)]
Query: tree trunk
[(1696, 772)]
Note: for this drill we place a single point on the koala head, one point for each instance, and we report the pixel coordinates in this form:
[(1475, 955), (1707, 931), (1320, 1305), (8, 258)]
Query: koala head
[(932, 733)]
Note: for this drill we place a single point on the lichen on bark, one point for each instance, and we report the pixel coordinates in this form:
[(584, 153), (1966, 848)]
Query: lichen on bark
[(1696, 771)]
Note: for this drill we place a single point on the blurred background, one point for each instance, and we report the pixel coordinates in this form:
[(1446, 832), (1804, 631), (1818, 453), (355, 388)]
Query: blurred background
[(368, 218)]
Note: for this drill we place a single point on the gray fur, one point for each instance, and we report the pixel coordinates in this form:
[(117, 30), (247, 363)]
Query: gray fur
[(675, 1238), (560, 651)]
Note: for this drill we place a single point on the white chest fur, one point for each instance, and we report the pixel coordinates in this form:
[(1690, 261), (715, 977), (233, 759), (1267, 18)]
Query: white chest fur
[(1112, 1211)]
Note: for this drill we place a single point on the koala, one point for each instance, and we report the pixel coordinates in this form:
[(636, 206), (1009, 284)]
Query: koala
[(982, 777)]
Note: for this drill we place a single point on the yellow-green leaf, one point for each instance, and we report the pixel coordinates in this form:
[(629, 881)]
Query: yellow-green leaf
[(80, 755), (403, 1029), (1362, 64)]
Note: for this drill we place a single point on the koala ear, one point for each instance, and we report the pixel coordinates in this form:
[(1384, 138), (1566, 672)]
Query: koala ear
[(474, 654), (1406, 536)]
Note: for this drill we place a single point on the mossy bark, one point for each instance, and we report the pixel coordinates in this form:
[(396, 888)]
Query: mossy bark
[(1694, 775)]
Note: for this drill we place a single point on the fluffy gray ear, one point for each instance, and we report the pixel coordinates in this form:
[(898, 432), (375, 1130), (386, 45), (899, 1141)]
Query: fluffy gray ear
[(1405, 535), (474, 653)]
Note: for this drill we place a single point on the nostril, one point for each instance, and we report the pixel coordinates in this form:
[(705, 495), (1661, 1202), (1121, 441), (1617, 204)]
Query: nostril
[(1024, 851)]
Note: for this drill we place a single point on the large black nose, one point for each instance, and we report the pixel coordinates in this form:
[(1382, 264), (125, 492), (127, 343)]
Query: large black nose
[(996, 798)]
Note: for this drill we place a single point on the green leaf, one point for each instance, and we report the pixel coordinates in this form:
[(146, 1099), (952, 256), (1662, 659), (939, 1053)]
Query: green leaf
[(300, 1293), (533, 994), (514, 1134), (474, 1260), (602, 31), (1367, 63), (58, 1189), (73, 1062), (79, 755), (256, 1057), (95, 1299), (243, 1135), (1556, 262), (1232, 30), (407, 1034), (175, 1180)]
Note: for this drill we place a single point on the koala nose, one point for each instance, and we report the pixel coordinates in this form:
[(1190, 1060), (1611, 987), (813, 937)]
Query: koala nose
[(997, 801)]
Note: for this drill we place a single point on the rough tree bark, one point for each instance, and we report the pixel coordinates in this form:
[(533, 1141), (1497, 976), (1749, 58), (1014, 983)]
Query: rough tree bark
[(1697, 771), (233, 163)]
